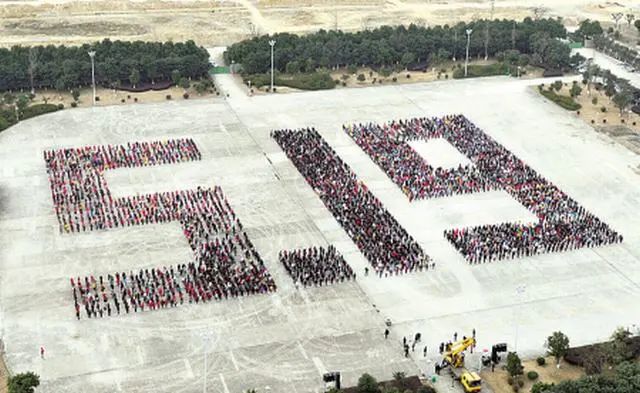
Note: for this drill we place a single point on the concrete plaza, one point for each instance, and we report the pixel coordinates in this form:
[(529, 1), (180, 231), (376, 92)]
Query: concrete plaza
[(285, 341)]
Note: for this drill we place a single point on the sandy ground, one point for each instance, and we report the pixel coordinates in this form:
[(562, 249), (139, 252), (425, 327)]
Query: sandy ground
[(223, 22), (115, 97), (548, 373)]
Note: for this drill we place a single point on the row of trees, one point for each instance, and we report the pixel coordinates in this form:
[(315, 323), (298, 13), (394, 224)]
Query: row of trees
[(620, 90), (617, 50), (116, 62), (390, 46)]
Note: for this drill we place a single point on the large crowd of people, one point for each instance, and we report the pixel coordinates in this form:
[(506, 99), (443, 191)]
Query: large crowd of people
[(225, 262), (562, 223), (383, 241), (80, 194), (316, 266), (388, 147)]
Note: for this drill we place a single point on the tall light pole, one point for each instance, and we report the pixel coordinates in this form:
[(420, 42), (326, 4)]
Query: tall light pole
[(466, 61), (92, 55), (272, 43)]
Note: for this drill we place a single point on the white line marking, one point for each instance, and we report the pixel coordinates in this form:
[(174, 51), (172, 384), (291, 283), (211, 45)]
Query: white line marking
[(319, 366), (224, 384), (187, 366), (233, 360), (304, 353)]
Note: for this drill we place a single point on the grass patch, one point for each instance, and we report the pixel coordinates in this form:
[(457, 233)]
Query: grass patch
[(477, 71), (37, 110), (565, 102), (305, 81)]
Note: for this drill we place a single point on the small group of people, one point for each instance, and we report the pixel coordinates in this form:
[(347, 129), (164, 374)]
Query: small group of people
[(316, 266), (562, 223), (387, 146), (82, 199), (383, 241)]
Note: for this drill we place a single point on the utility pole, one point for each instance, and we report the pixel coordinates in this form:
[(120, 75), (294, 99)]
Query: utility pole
[(466, 61), (455, 42), (486, 31), (92, 55), (272, 43)]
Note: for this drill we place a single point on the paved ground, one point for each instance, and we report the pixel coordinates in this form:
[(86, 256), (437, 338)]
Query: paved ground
[(285, 341)]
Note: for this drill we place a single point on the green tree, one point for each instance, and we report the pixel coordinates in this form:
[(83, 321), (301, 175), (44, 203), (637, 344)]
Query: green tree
[(619, 348), (368, 384), (184, 83), (407, 59), (637, 25), (175, 76), (557, 345), (134, 77), (23, 382), (293, 67), (514, 364), (22, 103), (622, 100), (557, 85), (541, 387), (576, 90)]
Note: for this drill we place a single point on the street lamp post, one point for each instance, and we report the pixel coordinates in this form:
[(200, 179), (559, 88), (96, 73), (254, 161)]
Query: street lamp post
[(466, 61), (92, 55), (272, 43)]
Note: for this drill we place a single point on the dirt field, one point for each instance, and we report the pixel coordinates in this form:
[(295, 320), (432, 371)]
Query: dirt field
[(222, 22), (115, 97), (548, 373)]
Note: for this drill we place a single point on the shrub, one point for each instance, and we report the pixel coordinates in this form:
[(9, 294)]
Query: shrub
[(520, 382), (394, 79), (565, 102), (168, 96), (476, 71), (75, 94), (38, 109), (97, 98), (532, 375), (4, 124), (510, 380), (74, 104), (352, 69), (23, 383), (604, 120), (408, 76), (344, 84), (60, 107), (128, 96), (446, 76), (594, 100), (541, 361), (186, 95), (516, 388), (603, 109), (122, 100), (384, 71), (361, 77)]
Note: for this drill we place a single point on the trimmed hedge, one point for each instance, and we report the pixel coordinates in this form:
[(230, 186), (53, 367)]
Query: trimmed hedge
[(37, 110), (304, 81), (476, 71), (565, 102)]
